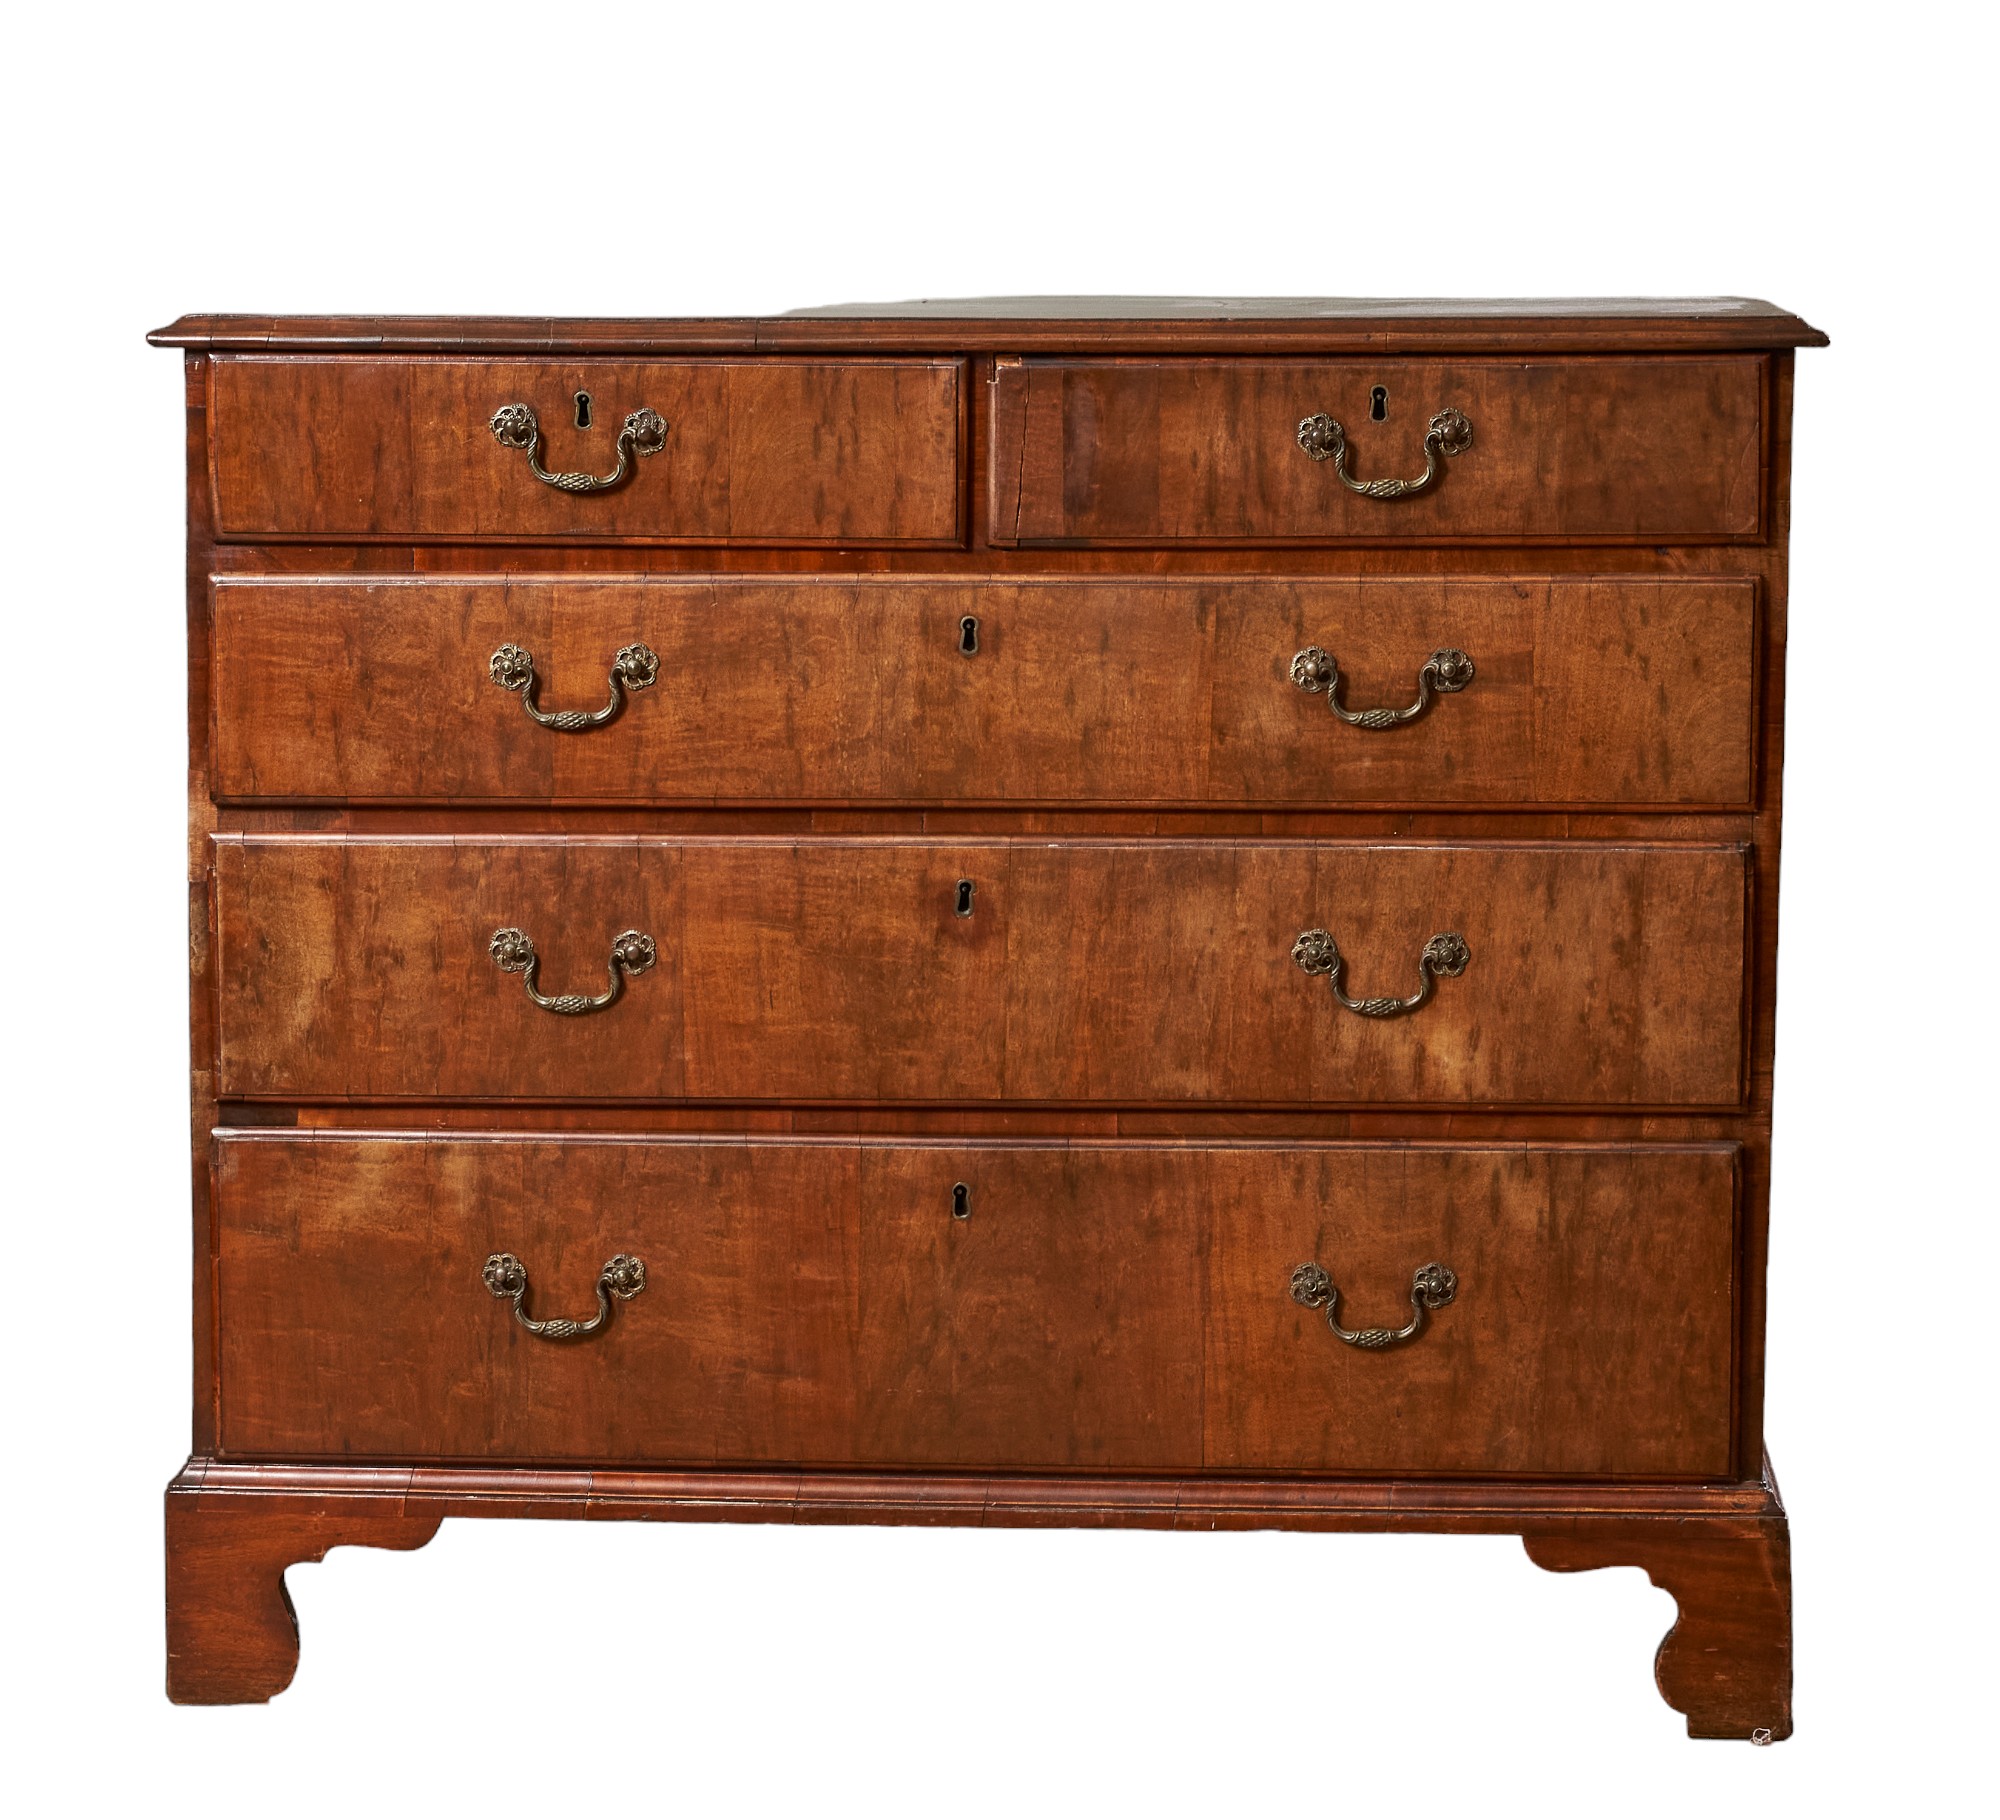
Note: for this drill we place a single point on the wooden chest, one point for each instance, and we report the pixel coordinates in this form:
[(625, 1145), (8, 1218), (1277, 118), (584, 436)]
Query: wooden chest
[(1044, 912)]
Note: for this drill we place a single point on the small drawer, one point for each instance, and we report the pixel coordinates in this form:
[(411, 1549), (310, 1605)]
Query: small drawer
[(1653, 450), (644, 451), (982, 1305), (1199, 691), (1157, 972)]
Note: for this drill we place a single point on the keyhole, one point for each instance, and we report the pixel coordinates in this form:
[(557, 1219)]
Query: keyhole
[(964, 904), (961, 1201), (1378, 404), (583, 410), (968, 635)]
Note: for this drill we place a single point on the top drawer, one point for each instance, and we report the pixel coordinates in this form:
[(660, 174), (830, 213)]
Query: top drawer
[(1654, 450), (763, 451)]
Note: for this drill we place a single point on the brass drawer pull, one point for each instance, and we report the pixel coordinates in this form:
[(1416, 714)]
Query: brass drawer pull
[(507, 1277), (1324, 440), (1432, 1287), (1446, 671), (634, 668), (1315, 952), (513, 952), (514, 426)]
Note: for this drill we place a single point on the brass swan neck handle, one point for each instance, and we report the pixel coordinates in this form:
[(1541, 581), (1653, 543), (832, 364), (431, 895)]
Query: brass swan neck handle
[(1450, 433), (631, 953), (515, 426), (1432, 1287), (634, 668), (507, 1277), (1447, 955)]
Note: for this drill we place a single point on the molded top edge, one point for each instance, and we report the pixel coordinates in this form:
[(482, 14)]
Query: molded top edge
[(1054, 324)]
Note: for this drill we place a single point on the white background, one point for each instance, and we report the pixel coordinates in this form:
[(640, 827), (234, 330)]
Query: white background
[(595, 158)]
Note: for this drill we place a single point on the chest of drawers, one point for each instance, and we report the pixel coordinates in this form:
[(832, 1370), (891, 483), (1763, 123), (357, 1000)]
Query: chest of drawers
[(1045, 912)]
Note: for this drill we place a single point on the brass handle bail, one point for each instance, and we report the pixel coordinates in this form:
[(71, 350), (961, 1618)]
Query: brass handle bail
[(1432, 1287), (634, 668), (515, 426), (507, 1277), (1444, 672), (1323, 438), (1444, 955), (631, 953)]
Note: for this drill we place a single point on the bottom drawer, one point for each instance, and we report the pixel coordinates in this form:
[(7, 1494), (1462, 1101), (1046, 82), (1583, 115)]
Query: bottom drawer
[(1098, 1305)]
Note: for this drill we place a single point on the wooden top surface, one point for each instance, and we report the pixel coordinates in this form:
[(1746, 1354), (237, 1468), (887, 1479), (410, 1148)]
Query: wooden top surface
[(1330, 325), (1285, 309)]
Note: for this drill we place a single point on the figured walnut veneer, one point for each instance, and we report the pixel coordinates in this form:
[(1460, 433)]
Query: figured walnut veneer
[(930, 1102), (1089, 971), (1107, 691), (1102, 1307), (778, 451)]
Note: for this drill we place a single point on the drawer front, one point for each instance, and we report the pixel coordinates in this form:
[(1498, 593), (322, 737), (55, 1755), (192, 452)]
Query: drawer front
[(1619, 451), (768, 451), (1080, 971), (1100, 1306), (1610, 690)]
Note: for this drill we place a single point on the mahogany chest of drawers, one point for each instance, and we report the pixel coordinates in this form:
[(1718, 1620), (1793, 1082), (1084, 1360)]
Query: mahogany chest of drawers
[(1039, 912)]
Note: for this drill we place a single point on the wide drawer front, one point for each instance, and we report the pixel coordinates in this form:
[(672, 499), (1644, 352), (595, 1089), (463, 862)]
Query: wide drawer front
[(693, 451), (980, 970), (1113, 1306), (1664, 449), (1208, 691)]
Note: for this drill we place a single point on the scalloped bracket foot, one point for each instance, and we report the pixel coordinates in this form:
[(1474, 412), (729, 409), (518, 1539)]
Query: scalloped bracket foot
[(232, 1636), (1727, 1662)]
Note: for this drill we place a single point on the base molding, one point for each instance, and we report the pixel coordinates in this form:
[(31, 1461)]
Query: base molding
[(1723, 1551), (1485, 1506)]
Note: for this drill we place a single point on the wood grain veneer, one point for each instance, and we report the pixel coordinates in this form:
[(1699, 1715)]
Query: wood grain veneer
[(1122, 972), (1106, 1306), (1156, 1114), (1101, 691), (1616, 451), (787, 451)]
